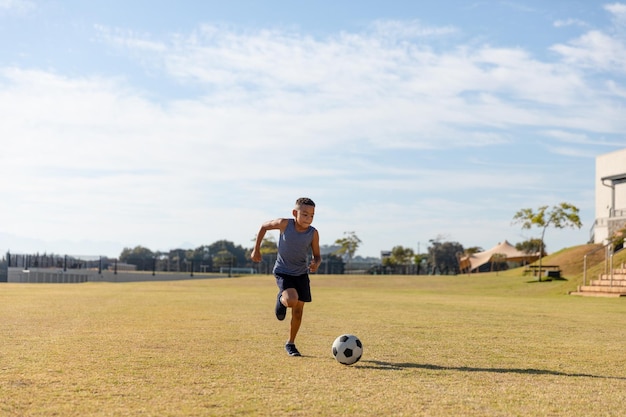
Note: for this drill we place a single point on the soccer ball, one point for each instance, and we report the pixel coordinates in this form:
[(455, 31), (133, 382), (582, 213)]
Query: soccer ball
[(347, 349)]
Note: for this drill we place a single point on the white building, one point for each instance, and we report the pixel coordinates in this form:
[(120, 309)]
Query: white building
[(610, 195)]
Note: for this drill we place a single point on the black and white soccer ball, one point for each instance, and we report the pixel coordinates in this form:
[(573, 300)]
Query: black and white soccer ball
[(347, 349)]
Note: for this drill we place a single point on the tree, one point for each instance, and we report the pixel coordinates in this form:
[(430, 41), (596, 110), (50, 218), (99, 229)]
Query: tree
[(400, 256), (200, 258), (418, 259), (559, 216), (498, 260), (268, 245), (348, 245), (175, 259), (224, 259), (531, 247), (269, 253), (139, 256), (444, 256), (472, 250), (238, 255)]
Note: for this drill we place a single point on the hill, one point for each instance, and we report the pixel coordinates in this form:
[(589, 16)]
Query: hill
[(571, 262)]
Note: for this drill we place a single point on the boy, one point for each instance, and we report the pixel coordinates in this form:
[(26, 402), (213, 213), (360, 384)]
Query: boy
[(297, 237)]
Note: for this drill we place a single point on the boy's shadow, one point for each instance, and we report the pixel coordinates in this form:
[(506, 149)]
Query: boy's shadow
[(393, 366)]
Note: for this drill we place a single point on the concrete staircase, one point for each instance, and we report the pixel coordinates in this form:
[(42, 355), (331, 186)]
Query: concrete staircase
[(605, 286)]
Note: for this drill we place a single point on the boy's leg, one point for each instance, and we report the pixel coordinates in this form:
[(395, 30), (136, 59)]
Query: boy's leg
[(290, 299), (296, 320)]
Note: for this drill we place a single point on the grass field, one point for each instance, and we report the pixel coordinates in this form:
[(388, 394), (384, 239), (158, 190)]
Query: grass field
[(485, 345)]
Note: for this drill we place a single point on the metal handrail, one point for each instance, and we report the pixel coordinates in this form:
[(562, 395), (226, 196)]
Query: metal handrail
[(608, 261), (613, 264), (606, 247)]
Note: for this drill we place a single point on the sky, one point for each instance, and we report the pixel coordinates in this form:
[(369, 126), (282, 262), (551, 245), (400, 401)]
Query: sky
[(175, 124)]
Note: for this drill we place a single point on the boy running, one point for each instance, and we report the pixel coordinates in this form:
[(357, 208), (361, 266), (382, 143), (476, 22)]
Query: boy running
[(297, 238)]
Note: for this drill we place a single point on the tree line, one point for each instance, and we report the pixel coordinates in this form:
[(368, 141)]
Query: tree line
[(442, 257), (225, 254)]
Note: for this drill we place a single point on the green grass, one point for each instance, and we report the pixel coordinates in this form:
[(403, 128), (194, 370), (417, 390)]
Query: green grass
[(484, 345)]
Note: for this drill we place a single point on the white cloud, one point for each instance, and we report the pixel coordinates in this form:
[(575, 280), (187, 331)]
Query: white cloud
[(569, 137), (571, 152), (616, 89), (595, 49), (396, 29), (618, 11), (570, 22), (603, 50), (128, 39), (18, 6), (580, 138), (383, 89)]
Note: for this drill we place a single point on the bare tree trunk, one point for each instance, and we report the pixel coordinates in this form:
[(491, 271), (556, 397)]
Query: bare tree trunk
[(543, 232)]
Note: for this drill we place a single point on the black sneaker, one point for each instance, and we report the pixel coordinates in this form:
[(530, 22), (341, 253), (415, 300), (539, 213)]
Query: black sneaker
[(291, 349), (281, 310)]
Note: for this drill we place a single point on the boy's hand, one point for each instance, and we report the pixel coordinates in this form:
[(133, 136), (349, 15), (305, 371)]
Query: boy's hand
[(256, 255), (314, 265)]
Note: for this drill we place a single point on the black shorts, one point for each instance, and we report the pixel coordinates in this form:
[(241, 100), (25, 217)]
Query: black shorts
[(301, 283)]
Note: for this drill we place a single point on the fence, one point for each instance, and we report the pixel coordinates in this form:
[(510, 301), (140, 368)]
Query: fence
[(54, 261), (52, 268), (42, 276)]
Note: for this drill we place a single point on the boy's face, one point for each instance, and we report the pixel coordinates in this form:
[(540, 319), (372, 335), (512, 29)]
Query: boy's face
[(304, 215)]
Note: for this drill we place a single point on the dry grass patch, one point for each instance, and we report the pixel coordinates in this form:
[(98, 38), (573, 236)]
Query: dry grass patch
[(486, 346)]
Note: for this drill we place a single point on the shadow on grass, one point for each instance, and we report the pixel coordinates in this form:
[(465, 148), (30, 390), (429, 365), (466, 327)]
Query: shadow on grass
[(399, 366), (546, 280)]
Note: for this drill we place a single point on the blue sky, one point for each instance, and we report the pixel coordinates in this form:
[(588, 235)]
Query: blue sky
[(174, 124)]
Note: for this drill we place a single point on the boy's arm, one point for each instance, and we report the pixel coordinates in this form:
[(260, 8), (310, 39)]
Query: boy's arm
[(269, 225), (315, 248)]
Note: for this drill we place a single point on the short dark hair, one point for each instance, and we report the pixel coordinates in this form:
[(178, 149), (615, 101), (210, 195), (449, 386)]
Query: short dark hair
[(304, 201)]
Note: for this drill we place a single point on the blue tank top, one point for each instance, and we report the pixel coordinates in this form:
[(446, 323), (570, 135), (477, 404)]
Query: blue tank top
[(293, 249)]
